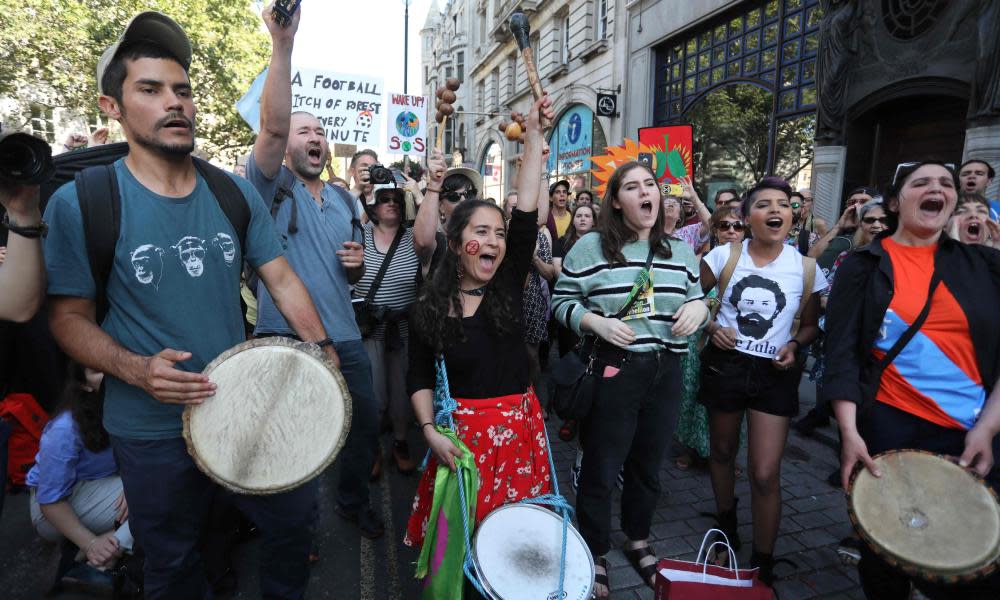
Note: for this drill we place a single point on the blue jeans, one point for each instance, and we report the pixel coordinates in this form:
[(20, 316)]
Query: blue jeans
[(358, 456), (169, 501)]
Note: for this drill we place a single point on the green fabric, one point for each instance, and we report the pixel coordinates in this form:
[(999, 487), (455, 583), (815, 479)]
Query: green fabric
[(441, 562)]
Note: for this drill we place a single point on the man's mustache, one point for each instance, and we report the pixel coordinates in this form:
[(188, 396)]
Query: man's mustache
[(175, 117)]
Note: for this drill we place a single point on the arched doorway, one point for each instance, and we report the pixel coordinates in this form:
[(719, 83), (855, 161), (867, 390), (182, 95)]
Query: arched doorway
[(889, 130)]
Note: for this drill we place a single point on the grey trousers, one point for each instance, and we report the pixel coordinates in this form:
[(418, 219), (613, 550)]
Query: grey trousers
[(94, 503), (389, 383)]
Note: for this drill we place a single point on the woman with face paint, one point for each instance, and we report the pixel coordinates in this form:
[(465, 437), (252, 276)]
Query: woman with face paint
[(470, 313), (940, 392), (629, 262), (751, 364)]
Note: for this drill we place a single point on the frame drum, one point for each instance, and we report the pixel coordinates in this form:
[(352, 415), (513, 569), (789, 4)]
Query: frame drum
[(927, 516), (516, 550), (279, 417)]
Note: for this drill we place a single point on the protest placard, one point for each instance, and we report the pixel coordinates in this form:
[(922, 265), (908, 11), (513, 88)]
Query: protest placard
[(407, 119), (349, 106)]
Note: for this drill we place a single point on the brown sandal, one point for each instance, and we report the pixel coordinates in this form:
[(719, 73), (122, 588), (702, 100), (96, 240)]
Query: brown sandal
[(635, 557), (601, 578)]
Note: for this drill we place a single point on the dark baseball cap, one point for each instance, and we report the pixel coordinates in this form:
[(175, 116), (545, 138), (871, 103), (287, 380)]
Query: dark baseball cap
[(155, 28)]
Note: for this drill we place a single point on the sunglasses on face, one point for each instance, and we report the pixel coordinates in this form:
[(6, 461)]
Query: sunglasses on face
[(873, 220), (731, 225), (910, 165), (386, 198), (455, 197)]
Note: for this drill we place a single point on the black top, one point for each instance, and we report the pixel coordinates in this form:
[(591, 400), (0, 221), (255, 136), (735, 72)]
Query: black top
[(485, 365), (862, 292)]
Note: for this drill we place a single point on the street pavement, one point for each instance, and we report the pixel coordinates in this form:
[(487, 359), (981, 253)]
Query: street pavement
[(814, 519)]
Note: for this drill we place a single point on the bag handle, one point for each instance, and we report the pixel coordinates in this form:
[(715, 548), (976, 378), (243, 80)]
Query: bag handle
[(704, 541), (732, 561)]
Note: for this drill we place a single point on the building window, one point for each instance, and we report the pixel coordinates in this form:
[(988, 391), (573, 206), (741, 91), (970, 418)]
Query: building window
[(448, 72), (602, 19), (564, 42), (460, 65), (481, 95), (495, 89), (42, 123), (427, 74), (511, 75), (482, 30)]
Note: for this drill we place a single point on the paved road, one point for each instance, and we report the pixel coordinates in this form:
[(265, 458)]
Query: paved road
[(814, 520)]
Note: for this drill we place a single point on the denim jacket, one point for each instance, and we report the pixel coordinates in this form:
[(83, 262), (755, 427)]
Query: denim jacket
[(862, 292)]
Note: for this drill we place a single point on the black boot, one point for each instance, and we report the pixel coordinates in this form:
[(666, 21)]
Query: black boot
[(726, 521), (764, 563)]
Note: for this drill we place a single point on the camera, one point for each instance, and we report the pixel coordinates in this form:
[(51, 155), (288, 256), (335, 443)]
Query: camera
[(283, 11), (378, 174), (24, 158)]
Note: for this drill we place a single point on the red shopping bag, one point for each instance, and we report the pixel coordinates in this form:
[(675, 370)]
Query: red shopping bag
[(698, 580)]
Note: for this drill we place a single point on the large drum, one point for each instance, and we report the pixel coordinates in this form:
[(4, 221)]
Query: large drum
[(927, 516), (517, 550), (278, 418)]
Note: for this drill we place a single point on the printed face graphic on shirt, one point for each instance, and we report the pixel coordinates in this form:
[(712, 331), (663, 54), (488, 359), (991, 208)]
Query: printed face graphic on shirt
[(147, 260), (227, 245), (758, 302), (191, 251)]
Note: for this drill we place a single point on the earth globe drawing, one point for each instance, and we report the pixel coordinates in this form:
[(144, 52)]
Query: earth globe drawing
[(407, 124)]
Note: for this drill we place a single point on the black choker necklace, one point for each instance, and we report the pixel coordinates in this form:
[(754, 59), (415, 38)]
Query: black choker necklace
[(474, 292)]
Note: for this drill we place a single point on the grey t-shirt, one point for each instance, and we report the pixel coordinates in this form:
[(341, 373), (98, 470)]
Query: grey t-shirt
[(174, 284), (312, 252)]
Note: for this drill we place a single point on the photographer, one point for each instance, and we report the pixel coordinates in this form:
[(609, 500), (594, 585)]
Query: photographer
[(22, 270), (292, 149)]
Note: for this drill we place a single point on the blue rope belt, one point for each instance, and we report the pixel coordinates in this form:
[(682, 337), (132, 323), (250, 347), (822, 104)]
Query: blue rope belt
[(446, 405)]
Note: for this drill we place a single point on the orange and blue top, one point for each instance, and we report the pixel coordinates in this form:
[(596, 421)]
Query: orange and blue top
[(936, 376)]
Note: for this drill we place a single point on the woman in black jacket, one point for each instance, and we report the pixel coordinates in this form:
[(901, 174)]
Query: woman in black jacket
[(939, 391)]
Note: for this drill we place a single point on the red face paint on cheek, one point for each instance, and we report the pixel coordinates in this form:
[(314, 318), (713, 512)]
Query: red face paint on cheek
[(472, 247)]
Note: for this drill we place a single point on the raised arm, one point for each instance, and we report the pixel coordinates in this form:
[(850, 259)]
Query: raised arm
[(534, 149), (426, 224), (22, 273), (276, 100)]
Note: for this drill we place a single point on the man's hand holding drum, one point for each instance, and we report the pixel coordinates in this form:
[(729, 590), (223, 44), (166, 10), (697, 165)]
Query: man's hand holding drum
[(162, 380)]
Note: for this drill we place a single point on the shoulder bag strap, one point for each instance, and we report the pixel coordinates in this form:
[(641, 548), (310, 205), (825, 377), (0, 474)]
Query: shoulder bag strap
[(385, 263), (735, 249), (808, 279), (100, 207), (912, 329), (641, 281), (230, 198)]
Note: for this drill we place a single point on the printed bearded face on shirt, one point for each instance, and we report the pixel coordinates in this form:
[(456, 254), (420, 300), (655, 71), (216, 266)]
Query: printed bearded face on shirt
[(758, 302), (770, 215), (482, 247), (926, 200), (307, 148)]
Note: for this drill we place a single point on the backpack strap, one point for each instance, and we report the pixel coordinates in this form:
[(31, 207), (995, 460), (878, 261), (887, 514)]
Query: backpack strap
[(735, 249), (286, 181), (808, 278), (351, 202), (100, 206), (230, 198)]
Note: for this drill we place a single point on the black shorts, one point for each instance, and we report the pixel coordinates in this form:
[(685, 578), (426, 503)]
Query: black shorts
[(732, 381)]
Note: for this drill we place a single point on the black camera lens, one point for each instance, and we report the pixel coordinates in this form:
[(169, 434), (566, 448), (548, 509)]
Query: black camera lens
[(378, 174), (25, 159)]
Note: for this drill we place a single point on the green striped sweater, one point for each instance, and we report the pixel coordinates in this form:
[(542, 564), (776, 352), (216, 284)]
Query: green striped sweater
[(589, 283)]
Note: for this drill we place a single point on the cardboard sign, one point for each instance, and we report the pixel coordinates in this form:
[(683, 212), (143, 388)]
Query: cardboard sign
[(350, 107), (407, 130), (671, 158)]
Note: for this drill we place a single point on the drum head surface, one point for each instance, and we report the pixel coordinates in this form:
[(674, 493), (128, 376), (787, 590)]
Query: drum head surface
[(279, 417), (517, 549), (927, 513)]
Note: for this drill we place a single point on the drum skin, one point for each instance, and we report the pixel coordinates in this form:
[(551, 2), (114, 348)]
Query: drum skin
[(516, 550), (927, 516), (279, 416)]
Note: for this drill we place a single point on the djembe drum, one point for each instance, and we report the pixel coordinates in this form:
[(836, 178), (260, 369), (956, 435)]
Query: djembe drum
[(279, 417)]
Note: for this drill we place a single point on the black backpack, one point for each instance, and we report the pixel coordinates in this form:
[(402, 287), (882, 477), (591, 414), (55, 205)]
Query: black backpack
[(100, 204)]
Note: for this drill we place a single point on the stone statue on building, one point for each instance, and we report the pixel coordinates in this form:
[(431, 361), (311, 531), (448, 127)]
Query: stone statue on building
[(838, 47), (985, 102)]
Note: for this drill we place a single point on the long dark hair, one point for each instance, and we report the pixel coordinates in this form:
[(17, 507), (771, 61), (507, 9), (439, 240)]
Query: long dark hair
[(572, 235), (611, 225), (86, 408), (437, 314)]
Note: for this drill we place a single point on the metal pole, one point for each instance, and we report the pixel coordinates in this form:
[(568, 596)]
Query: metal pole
[(406, 42)]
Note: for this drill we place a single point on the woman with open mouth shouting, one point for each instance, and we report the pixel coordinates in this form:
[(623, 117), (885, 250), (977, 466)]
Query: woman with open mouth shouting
[(470, 314), (768, 313), (971, 222), (633, 291), (911, 351)]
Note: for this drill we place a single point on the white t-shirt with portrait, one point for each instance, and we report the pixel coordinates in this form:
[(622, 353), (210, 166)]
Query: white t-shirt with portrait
[(761, 302)]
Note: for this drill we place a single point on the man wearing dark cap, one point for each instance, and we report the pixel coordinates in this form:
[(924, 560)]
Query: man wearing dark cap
[(160, 331)]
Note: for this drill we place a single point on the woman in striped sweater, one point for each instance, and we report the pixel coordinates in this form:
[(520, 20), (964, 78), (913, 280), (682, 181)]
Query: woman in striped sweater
[(637, 357)]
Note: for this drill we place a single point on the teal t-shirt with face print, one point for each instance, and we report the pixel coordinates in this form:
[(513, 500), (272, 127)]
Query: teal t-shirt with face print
[(174, 284)]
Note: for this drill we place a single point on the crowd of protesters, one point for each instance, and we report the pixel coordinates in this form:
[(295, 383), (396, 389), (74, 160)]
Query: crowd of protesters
[(698, 321)]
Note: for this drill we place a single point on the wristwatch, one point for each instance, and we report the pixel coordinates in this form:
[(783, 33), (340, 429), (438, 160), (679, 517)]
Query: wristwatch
[(28, 231)]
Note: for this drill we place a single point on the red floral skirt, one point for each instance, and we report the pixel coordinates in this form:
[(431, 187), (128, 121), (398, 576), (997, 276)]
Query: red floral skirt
[(507, 437)]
